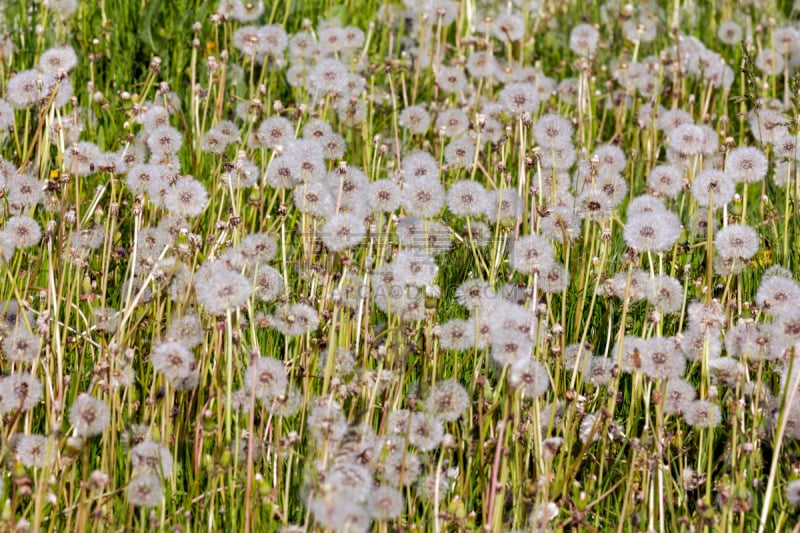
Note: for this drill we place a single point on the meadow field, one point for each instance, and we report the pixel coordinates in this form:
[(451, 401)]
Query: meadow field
[(418, 265)]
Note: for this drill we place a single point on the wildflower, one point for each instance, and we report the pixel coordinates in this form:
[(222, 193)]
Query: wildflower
[(519, 98), (665, 294), (328, 76), (384, 195), (243, 174), (737, 241), (593, 205), (652, 232), (529, 376), (554, 279), (687, 139), (702, 414), (21, 345), (423, 197), (611, 158), (679, 394), (89, 416), (35, 451), (669, 120), (385, 503), (793, 492), (415, 118), (145, 490), (730, 33), (314, 199), (296, 319), (174, 360), (164, 141), (453, 122), (769, 62), (705, 317), (634, 289), (457, 334), (20, 391), (746, 164), (777, 294), (509, 346), (531, 253), (447, 400), (343, 231), (186, 198), (23, 190), (326, 422), (186, 329), (644, 203), (482, 64), (583, 39), (414, 267), (467, 198), (473, 292), (661, 358), (275, 131), (666, 180), (266, 377), (142, 177), (613, 186), (503, 204), (426, 431), (150, 457), (220, 290), (268, 284), (460, 153), (561, 224), (451, 79), (553, 131), (22, 90), (81, 158), (24, 231)]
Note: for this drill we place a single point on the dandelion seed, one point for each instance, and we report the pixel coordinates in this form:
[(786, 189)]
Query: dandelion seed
[(531, 253), (634, 289), (20, 391), (460, 153), (145, 490), (632, 348), (415, 118), (678, 395), (583, 39), (24, 231), (447, 400), (652, 232), (528, 376), (737, 241), (482, 64), (423, 198), (275, 131), (187, 330), (453, 122), (590, 428), (746, 164), (777, 294), (343, 231), (702, 414), (671, 119), (296, 319), (21, 345), (81, 159), (151, 458), (35, 451), (266, 377), (730, 33), (687, 139), (174, 360), (385, 503), (662, 359), (314, 199), (186, 198), (22, 90), (89, 416), (509, 346), (328, 76), (519, 98), (451, 79), (503, 204), (561, 224), (665, 294), (666, 180), (426, 432), (268, 284), (221, 290)]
